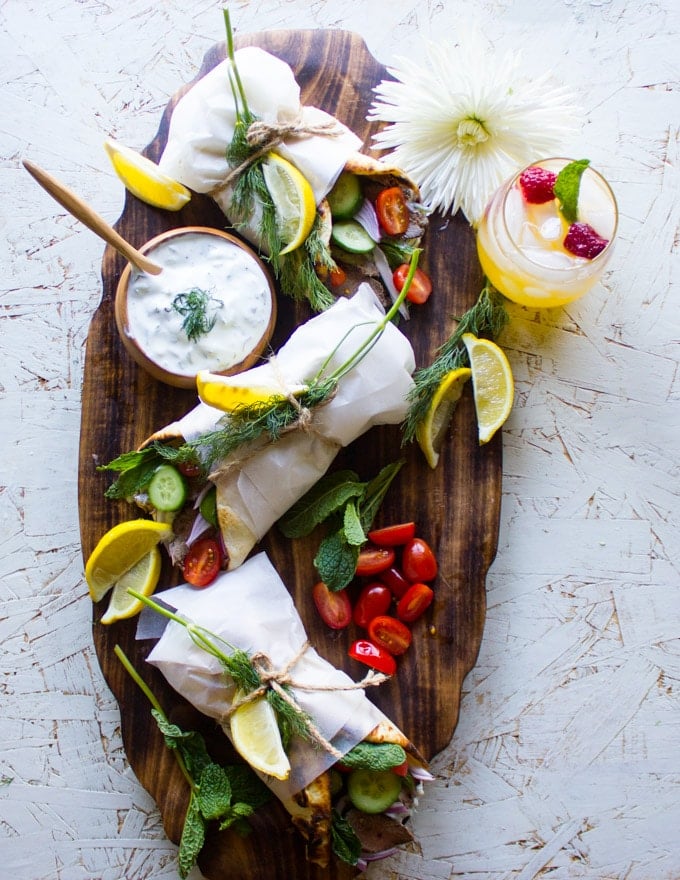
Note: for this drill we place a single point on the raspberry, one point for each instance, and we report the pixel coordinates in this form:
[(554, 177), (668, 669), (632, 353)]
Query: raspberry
[(537, 185), (583, 241)]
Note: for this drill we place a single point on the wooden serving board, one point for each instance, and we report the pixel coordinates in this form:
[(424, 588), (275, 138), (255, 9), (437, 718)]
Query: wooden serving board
[(456, 506)]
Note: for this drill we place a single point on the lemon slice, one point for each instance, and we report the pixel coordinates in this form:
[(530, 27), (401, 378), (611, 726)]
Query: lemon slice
[(492, 384), (430, 432), (118, 550), (217, 391), (144, 179), (257, 739), (293, 199), (142, 578)]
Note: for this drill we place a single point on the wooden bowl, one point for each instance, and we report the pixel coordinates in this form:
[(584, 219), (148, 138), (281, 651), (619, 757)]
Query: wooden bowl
[(158, 351)]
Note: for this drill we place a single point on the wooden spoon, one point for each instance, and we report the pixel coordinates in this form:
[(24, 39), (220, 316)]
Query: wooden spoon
[(83, 212)]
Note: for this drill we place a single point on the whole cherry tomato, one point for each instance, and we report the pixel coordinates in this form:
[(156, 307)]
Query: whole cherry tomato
[(373, 560), (414, 602), (389, 633), (337, 276), (202, 562), (374, 599), (394, 579), (371, 655), (190, 469), (418, 562), (334, 608), (392, 536), (420, 287), (392, 211)]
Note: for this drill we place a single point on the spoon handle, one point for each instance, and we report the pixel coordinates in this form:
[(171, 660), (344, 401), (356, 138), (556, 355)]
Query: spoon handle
[(83, 212)]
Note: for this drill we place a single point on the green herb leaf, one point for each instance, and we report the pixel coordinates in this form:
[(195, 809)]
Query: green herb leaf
[(193, 306), (329, 494), (375, 493), (351, 526), (214, 792), (193, 837), (336, 561), (374, 756), (567, 188), (344, 841), (247, 788)]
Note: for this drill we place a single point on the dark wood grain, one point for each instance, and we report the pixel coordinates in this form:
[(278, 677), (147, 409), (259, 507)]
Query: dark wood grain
[(456, 506)]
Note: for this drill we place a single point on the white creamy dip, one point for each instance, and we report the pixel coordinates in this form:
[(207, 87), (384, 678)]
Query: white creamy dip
[(239, 303)]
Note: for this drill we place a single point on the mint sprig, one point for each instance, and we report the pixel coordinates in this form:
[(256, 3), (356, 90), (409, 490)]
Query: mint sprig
[(350, 506), (567, 187), (228, 795)]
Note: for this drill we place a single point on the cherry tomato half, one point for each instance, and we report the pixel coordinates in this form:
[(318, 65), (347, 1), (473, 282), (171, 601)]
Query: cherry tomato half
[(334, 608), (395, 580), (190, 469), (202, 562), (401, 769), (392, 211), (389, 633), (414, 602), (418, 561), (374, 599), (373, 560), (373, 656), (337, 276), (420, 287), (392, 536)]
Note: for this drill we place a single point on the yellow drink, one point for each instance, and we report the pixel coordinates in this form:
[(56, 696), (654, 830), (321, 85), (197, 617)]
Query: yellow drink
[(521, 245)]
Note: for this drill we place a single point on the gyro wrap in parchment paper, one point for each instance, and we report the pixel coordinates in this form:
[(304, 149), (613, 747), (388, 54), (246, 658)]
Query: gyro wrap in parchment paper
[(250, 608), (257, 484), (202, 127)]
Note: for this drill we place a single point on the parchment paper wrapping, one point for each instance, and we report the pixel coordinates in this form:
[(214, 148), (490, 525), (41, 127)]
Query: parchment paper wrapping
[(257, 485), (202, 127), (251, 609)]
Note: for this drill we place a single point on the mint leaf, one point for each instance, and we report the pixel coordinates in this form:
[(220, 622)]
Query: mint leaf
[(214, 792), (567, 188), (344, 841), (374, 756), (336, 561), (351, 526), (323, 499), (376, 491), (246, 787), (193, 838)]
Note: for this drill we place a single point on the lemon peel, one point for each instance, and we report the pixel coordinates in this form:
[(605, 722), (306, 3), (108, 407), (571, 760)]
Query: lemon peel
[(119, 550), (492, 383), (256, 737), (142, 578), (430, 432), (144, 179), (217, 391), (294, 202)]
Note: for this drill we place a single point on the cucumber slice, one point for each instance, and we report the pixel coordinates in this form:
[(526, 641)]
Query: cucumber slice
[(167, 489), (373, 791), (351, 236), (345, 197), (208, 507)]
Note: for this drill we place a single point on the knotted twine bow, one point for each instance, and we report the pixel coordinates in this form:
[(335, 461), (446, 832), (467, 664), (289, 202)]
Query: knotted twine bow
[(281, 680), (262, 137)]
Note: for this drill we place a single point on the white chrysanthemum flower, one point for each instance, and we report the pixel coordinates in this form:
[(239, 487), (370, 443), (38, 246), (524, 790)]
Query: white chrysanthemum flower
[(466, 121)]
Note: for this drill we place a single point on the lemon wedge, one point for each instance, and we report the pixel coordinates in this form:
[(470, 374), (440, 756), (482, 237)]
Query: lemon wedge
[(142, 578), (144, 179), (256, 737), (492, 384), (430, 432), (293, 198), (119, 550), (217, 391)]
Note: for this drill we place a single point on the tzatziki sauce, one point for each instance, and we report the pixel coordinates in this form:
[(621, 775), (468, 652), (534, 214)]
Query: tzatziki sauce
[(235, 291)]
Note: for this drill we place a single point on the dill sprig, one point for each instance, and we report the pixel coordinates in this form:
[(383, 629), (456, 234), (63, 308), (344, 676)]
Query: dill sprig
[(486, 317), (193, 306)]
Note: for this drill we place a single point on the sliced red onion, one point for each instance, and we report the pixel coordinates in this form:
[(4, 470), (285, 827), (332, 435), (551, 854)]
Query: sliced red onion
[(421, 774), (375, 857), (201, 495), (383, 268), (398, 810), (367, 217), (200, 525)]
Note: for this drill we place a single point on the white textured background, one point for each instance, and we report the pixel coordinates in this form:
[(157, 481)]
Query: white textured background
[(565, 761)]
